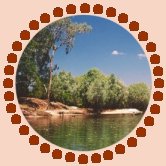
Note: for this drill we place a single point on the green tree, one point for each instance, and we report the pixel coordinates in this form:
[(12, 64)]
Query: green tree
[(33, 66), (40, 52), (85, 82), (63, 34), (63, 87), (139, 95), (96, 94), (117, 93)]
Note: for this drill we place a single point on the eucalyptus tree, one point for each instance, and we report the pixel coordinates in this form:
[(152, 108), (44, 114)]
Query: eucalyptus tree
[(63, 33), (41, 51)]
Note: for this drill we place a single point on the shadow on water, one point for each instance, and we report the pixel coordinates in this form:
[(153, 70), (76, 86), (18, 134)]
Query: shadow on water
[(84, 132)]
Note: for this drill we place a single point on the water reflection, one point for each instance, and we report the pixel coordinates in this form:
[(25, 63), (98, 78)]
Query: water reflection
[(84, 133)]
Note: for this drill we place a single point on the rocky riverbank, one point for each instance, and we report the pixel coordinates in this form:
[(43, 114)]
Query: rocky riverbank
[(39, 107)]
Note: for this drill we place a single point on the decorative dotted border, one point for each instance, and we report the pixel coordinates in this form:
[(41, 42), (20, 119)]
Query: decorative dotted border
[(140, 131)]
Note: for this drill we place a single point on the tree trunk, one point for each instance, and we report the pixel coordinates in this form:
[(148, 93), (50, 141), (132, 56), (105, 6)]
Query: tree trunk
[(50, 79), (54, 48)]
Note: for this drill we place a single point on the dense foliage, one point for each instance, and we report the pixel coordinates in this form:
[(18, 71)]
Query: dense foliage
[(98, 91)]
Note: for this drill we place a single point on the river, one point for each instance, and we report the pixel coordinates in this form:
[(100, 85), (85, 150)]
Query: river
[(84, 132)]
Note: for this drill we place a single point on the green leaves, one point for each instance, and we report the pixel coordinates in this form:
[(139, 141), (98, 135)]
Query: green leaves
[(63, 87), (98, 91), (139, 95), (64, 32), (117, 93), (97, 94)]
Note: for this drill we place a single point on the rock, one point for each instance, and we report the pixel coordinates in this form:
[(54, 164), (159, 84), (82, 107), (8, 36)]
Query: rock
[(74, 107), (58, 105)]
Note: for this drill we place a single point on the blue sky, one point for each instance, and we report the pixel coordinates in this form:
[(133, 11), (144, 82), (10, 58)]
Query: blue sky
[(108, 47)]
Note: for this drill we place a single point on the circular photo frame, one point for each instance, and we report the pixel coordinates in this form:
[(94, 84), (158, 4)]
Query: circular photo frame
[(84, 157)]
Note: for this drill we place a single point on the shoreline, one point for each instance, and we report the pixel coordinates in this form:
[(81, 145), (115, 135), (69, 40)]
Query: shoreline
[(37, 107), (82, 112), (106, 112)]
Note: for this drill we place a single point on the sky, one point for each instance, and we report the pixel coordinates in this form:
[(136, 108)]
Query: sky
[(108, 47)]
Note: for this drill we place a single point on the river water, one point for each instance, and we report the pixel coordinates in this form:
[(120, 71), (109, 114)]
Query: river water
[(84, 132)]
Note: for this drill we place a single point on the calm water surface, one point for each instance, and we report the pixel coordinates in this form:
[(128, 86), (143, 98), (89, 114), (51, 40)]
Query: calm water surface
[(81, 132)]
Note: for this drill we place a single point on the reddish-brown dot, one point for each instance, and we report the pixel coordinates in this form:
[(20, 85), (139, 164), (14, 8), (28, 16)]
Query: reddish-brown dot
[(111, 12), (17, 46), (45, 148), (34, 25), (155, 109), (96, 158), (149, 121), (9, 70), (120, 149), (108, 155), (34, 140), (24, 130), (45, 18), (159, 83), (12, 58), (158, 96), (11, 108), (16, 119), (98, 9), (132, 142), (25, 35), (83, 159), (71, 9), (143, 36), (70, 157), (141, 132), (9, 96), (134, 26), (85, 8), (57, 154), (8, 83), (151, 47), (158, 71), (123, 18), (155, 59), (58, 12)]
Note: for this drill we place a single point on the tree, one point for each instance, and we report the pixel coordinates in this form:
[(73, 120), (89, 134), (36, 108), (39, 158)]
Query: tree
[(139, 95), (63, 33), (117, 93), (40, 52), (33, 66), (62, 89), (96, 94), (85, 82)]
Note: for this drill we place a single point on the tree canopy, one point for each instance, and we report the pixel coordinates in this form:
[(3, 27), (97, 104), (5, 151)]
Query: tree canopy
[(98, 91)]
